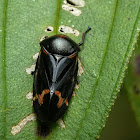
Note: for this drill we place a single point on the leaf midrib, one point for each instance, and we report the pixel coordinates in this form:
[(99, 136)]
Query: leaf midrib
[(56, 25), (5, 4), (57, 17)]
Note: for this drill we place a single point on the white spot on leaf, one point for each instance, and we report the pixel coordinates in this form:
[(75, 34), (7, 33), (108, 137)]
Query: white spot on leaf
[(49, 29), (31, 69), (67, 29), (35, 56), (17, 128), (61, 123), (73, 10), (29, 95), (74, 93), (80, 68), (42, 38), (76, 86), (77, 3)]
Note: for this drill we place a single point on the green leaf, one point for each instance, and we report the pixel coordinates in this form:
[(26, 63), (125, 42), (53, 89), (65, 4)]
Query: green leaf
[(132, 82), (104, 56)]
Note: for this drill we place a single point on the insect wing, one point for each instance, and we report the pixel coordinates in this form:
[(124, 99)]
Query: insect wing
[(54, 83), (41, 96), (64, 87)]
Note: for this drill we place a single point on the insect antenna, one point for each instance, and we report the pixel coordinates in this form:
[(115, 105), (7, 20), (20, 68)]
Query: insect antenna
[(83, 36)]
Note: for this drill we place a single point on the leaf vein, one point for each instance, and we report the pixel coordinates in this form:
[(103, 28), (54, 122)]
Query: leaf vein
[(4, 67), (100, 69), (57, 17), (121, 72)]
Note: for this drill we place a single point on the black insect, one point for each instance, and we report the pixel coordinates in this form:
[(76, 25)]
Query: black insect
[(55, 77)]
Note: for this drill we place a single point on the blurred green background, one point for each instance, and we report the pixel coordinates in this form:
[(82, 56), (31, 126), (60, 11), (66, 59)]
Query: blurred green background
[(121, 124), (124, 120)]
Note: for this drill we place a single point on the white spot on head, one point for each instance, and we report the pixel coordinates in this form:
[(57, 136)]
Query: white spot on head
[(67, 29), (73, 10), (31, 69)]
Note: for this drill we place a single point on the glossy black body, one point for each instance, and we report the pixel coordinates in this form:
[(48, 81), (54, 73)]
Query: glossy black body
[(56, 70)]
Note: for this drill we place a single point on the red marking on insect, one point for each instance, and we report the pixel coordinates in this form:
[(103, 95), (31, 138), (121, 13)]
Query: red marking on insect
[(71, 56), (62, 36), (45, 51), (58, 93), (60, 102), (45, 91), (35, 97), (41, 99), (41, 96)]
